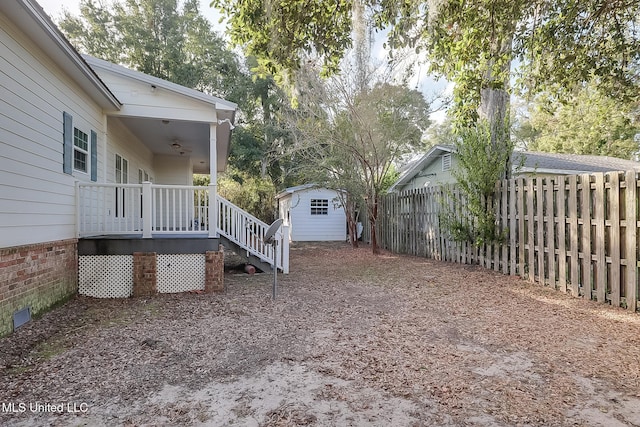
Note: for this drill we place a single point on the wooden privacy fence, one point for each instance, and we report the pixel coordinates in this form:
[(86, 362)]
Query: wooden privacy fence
[(576, 233)]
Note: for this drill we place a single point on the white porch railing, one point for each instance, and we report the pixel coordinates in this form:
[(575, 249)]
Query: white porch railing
[(149, 210), (248, 232)]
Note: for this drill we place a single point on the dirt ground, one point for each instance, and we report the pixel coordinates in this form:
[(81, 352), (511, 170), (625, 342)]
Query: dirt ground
[(352, 340)]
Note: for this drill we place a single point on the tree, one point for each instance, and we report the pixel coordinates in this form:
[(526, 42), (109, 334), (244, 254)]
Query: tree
[(472, 43), (441, 133), (278, 32), (471, 218), (156, 38), (349, 139), (261, 134), (591, 123), (178, 44), (251, 193)]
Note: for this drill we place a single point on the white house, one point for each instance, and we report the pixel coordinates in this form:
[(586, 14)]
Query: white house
[(96, 174), (312, 213)]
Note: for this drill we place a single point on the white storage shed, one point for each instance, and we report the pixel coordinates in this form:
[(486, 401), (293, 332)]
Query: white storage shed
[(313, 213)]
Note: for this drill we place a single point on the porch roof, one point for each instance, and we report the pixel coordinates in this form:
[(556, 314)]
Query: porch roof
[(168, 118)]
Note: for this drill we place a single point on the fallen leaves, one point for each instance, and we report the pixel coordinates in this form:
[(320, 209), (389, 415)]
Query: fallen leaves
[(459, 343)]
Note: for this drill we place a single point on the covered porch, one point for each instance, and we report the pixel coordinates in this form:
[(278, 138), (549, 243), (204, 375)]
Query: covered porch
[(143, 214), (142, 223), (141, 239)]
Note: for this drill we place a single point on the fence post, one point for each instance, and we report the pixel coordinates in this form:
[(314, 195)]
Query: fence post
[(551, 231), (561, 232), (504, 222), (522, 232), (574, 236), (531, 261), (631, 254), (585, 200), (614, 233), (539, 215), (600, 273), (513, 230)]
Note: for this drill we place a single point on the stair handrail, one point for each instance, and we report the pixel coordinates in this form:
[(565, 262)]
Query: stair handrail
[(245, 230)]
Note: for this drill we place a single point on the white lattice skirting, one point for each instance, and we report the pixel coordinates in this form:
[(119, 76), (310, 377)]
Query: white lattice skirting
[(105, 276), (180, 272), (111, 276)]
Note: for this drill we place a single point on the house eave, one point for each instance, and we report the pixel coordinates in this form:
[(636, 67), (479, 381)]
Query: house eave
[(219, 103), (419, 165)]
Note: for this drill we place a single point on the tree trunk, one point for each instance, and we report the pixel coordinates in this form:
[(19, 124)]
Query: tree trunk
[(361, 45), (353, 231), (494, 98), (373, 217), (351, 223)]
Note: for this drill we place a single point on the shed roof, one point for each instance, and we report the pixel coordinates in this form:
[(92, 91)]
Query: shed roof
[(291, 190)]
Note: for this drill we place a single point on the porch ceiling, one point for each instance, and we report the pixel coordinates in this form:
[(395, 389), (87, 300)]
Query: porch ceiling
[(192, 137)]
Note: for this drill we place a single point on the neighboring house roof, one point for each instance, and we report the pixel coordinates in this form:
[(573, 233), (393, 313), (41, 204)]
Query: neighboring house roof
[(414, 168), (34, 22), (529, 162), (568, 164)]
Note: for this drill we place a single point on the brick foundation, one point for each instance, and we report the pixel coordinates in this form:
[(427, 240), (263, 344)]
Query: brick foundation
[(36, 276), (145, 274), (214, 272)]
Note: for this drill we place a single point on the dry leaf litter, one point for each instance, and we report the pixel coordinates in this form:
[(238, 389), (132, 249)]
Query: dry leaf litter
[(352, 340)]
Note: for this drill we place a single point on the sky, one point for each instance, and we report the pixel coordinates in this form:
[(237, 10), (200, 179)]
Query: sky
[(54, 9), (421, 81)]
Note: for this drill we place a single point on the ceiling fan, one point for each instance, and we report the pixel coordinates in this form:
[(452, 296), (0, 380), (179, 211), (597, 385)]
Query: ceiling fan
[(179, 148)]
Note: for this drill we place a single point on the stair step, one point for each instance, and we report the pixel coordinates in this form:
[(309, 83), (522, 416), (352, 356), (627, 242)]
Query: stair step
[(242, 252)]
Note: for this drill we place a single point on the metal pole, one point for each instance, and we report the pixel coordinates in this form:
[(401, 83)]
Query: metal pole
[(275, 269)]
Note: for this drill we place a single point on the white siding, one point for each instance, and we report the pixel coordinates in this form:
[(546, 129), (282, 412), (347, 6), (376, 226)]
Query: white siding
[(37, 200), (173, 170), (140, 101), (308, 227), (124, 143)]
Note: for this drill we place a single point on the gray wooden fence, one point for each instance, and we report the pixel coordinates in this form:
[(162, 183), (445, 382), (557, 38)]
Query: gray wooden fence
[(577, 234)]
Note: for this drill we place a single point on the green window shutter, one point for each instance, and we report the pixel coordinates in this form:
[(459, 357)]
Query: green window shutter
[(67, 138), (94, 156)]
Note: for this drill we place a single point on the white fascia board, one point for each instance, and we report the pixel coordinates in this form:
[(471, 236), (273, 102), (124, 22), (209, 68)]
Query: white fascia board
[(219, 103)]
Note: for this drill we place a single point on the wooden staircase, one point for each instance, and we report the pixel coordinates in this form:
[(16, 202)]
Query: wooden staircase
[(244, 234)]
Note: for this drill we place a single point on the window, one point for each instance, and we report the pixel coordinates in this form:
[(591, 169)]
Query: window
[(80, 150), (446, 162), (319, 207), (122, 177), (143, 176), (122, 170)]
